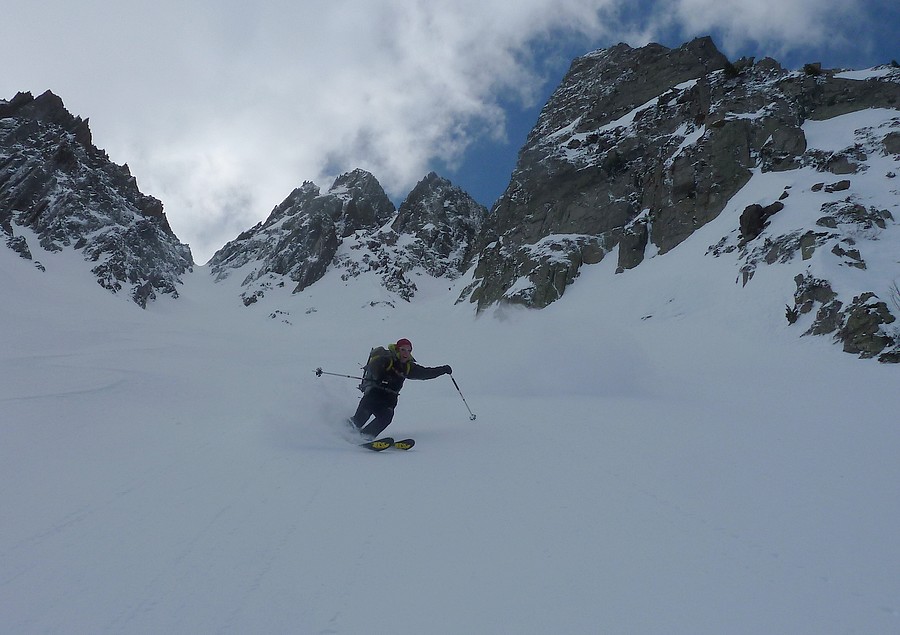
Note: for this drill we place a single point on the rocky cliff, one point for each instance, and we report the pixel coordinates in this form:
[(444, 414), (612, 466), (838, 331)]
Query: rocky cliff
[(58, 190), (640, 147)]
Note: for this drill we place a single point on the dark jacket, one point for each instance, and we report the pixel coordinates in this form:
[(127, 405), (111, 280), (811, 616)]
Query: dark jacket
[(386, 372)]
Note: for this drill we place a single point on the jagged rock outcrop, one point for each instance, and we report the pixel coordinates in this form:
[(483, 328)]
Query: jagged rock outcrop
[(301, 236), (442, 221), (56, 183), (638, 148), (354, 228), (432, 234)]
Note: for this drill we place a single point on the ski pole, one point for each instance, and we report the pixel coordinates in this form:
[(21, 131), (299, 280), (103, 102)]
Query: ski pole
[(379, 385), (471, 414), (319, 372)]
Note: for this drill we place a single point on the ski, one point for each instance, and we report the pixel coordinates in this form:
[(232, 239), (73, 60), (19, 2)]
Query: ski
[(384, 443), (378, 444)]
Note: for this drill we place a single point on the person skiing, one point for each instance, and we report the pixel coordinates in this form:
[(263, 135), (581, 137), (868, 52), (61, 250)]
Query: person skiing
[(383, 378)]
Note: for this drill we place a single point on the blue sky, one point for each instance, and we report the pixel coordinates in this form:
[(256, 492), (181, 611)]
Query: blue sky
[(220, 107)]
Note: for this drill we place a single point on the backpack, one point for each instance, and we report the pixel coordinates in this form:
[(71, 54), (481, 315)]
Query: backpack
[(368, 378), (379, 353)]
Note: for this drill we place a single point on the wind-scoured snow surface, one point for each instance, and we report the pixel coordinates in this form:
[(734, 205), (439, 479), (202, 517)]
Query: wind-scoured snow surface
[(658, 452)]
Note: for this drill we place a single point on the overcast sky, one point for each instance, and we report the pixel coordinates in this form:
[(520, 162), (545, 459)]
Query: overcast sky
[(220, 108)]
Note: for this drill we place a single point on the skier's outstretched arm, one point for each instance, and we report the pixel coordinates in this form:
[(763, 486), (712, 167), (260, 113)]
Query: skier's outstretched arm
[(427, 372)]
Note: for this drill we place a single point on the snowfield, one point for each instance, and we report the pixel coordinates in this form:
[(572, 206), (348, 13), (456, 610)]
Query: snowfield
[(649, 456)]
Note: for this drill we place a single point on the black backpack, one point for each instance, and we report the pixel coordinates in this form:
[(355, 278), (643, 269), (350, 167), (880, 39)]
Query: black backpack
[(368, 378)]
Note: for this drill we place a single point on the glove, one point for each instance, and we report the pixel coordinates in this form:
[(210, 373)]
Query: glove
[(446, 370)]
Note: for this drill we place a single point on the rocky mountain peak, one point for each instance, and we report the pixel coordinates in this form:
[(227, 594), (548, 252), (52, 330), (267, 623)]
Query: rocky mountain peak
[(301, 235), (57, 190), (445, 222), (354, 228), (356, 182), (602, 86), (433, 234), (48, 108), (364, 204)]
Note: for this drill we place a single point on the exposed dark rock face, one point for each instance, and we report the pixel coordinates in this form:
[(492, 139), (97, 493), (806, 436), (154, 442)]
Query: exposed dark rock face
[(57, 184), (754, 217), (638, 148), (862, 331), (584, 177), (443, 221)]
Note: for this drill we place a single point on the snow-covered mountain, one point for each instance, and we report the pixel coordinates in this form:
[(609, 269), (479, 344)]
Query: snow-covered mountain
[(638, 148), (354, 228), (58, 190), (302, 234)]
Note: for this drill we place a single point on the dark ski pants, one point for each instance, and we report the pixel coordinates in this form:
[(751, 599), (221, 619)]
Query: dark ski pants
[(375, 402)]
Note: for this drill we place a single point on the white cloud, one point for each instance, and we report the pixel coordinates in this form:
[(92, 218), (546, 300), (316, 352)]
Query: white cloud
[(778, 25)]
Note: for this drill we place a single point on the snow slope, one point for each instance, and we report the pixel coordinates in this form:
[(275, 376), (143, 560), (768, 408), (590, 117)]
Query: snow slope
[(702, 470)]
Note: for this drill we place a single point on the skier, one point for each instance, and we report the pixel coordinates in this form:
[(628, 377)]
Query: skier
[(383, 378)]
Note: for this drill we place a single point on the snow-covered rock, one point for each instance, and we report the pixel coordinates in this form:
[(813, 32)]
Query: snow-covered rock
[(66, 193), (355, 229), (299, 239)]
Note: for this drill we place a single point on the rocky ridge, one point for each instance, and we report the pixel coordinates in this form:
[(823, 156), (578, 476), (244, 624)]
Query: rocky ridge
[(57, 184), (354, 229)]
